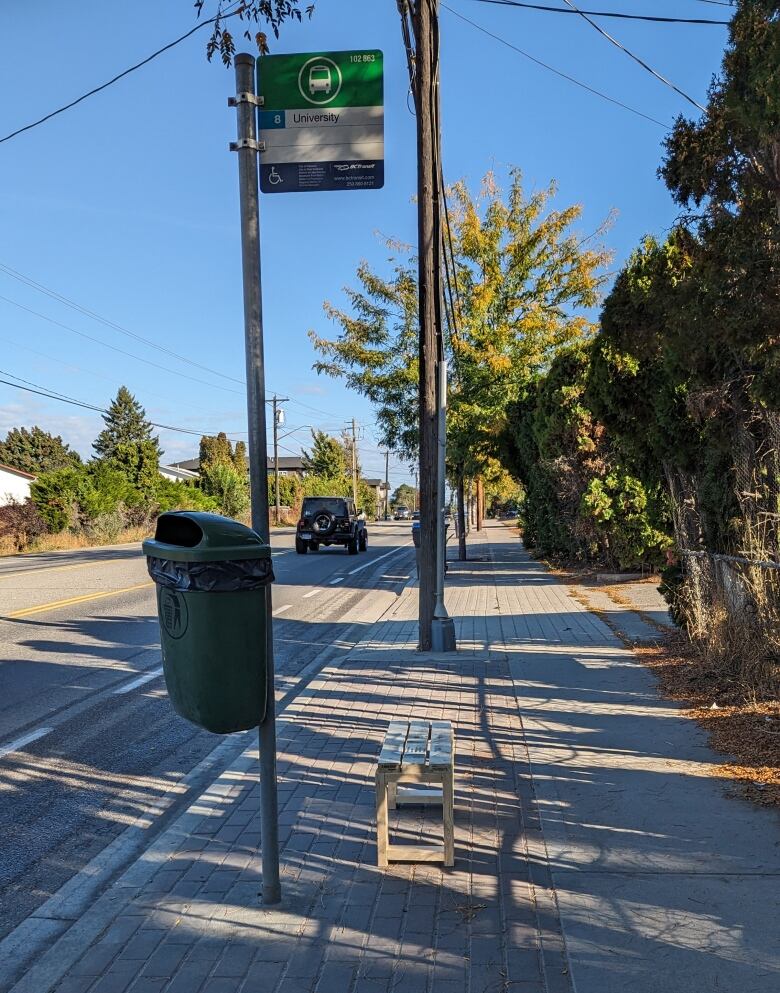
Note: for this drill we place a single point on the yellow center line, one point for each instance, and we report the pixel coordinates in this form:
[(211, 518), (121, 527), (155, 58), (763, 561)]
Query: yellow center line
[(55, 604), (58, 568)]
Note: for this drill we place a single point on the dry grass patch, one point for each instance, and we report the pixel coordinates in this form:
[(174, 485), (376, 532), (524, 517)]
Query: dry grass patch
[(740, 714), (66, 541), (739, 726)]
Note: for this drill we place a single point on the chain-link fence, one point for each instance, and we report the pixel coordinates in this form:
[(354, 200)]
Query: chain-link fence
[(729, 600)]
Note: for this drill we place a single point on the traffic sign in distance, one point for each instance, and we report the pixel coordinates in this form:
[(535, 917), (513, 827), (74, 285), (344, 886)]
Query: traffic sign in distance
[(322, 121)]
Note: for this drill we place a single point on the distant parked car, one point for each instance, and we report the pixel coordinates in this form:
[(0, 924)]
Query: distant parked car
[(416, 515), (402, 513)]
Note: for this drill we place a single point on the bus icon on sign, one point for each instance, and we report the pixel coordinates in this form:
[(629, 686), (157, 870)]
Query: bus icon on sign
[(319, 80)]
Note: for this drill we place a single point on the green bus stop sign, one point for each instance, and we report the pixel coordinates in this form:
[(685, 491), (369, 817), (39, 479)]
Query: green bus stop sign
[(321, 124)]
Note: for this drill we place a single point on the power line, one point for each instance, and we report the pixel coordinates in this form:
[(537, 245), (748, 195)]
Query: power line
[(97, 375), (552, 69), (606, 13), (28, 281), (41, 288), (631, 55), (115, 348), (64, 398), (121, 75)]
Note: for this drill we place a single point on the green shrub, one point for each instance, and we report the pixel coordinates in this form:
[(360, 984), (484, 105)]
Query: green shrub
[(55, 497), (106, 528), (581, 504), (182, 496), (228, 487)]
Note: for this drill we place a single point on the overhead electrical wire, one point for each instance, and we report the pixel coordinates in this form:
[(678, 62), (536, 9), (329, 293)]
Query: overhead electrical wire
[(606, 13), (93, 315), (557, 72), (98, 375), (29, 281), (121, 75), (64, 398), (631, 55), (115, 348)]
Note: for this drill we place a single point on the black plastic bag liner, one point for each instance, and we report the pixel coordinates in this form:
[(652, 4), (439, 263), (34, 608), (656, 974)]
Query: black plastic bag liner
[(212, 577)]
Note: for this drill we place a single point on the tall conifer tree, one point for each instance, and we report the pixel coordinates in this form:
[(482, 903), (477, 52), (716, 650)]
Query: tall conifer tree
[(126, 424)]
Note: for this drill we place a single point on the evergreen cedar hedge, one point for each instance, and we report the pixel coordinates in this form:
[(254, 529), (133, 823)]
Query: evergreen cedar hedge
[(582, 503)]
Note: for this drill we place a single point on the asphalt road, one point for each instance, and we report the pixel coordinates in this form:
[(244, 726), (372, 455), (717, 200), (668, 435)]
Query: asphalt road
[(88, 740)]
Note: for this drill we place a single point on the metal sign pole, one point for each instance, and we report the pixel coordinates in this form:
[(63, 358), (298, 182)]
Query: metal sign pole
[(246, 146)]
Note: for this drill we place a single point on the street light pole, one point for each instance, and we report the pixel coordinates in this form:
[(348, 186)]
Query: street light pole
[(246, 103)]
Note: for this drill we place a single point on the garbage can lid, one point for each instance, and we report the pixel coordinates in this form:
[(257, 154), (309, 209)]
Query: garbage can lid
[(191, 536)]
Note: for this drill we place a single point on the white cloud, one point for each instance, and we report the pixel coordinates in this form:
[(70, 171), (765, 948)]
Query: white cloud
[(76, 430)]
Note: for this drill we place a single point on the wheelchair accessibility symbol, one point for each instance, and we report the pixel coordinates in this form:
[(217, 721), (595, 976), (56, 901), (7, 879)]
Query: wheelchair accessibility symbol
[(273, 177)]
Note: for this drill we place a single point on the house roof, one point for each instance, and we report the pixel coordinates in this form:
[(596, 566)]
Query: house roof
[(286, 462), (375, 482), (177, 470), (16, 472), (289, 462)]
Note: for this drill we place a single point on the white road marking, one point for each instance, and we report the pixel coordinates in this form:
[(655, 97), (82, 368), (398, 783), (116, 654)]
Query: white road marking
[(338, 579), (378, 559), (26, 739), (146, 678), (313, 592), (281, 610)]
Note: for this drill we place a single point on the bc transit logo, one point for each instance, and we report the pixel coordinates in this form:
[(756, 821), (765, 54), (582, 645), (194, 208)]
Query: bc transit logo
[(173, 613)]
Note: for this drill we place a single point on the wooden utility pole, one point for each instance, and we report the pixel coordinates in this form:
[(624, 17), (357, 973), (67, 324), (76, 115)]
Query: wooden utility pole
[(387, 483), (277, 412), (461, 516), (426, 63), (354, 462)]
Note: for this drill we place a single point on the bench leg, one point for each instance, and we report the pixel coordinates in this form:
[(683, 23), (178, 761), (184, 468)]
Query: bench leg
[(448, 816), (392, 795), (382, 831)]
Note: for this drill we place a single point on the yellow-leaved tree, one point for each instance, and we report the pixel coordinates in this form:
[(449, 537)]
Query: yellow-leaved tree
[(524, 280)]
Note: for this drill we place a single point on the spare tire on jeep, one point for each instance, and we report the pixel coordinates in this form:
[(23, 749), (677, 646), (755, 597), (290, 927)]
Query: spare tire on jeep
[(323, 523)]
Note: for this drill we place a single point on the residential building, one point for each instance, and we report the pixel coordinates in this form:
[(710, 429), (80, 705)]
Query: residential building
[(177, 474), (14, 485), (289, 465), (380, 488)]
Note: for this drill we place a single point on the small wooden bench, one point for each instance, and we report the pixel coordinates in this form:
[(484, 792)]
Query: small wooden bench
[(419, 752)]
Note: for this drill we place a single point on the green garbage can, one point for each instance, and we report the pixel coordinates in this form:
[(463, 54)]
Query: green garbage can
[(211, 575)]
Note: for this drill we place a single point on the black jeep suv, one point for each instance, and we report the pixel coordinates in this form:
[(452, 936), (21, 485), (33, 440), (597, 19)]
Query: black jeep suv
[(330, 521)]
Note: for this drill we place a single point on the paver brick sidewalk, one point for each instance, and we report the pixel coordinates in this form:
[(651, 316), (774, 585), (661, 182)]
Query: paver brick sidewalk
[(595, 816), (195, 924)]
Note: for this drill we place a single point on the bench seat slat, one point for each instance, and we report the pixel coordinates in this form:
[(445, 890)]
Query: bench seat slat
[(393, 745), (417, 743)]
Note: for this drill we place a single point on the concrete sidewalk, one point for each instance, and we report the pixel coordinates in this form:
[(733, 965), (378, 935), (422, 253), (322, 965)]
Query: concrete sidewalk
[(596, 849)]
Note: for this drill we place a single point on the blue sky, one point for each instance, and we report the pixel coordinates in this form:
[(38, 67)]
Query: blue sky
[(128, 203)]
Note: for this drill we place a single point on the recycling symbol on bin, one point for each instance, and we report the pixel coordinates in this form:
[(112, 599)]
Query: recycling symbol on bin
[(173, 613)]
